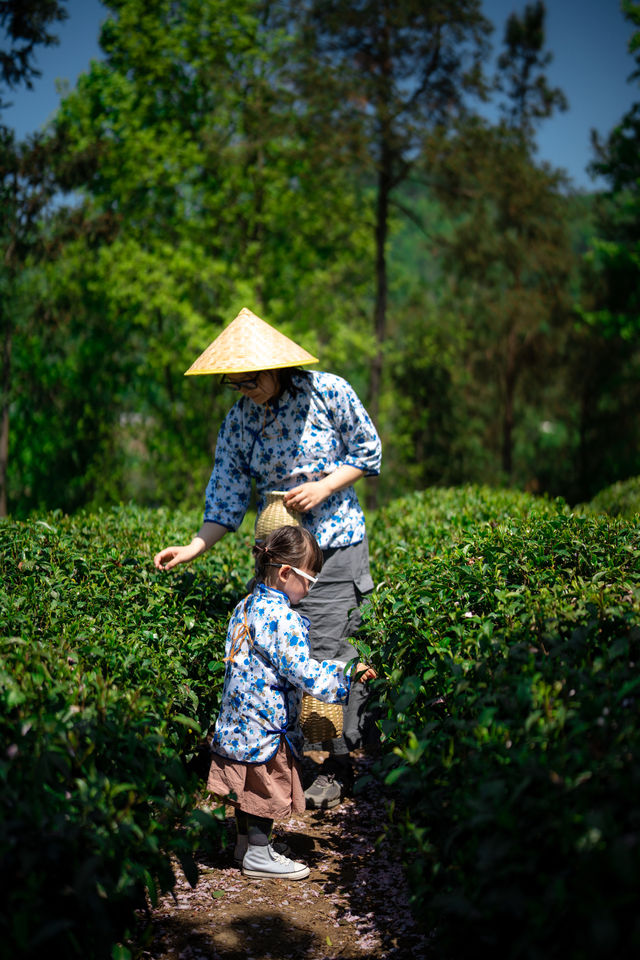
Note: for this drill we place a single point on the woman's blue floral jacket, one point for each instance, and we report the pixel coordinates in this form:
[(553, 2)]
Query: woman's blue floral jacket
[(290, 441)]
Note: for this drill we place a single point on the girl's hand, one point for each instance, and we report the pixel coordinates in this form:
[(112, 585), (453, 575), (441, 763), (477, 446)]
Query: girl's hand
[(363, 673), (307, 495)]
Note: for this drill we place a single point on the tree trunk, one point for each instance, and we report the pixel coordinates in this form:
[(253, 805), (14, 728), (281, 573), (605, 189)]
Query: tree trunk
[(509, 397), (380, 309), (507, 433), (5, 381)]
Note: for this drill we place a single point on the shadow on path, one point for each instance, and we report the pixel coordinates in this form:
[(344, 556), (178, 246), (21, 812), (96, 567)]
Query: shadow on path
[(354, 904)]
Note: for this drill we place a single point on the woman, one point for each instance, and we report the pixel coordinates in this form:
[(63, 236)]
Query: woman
[(306, 433)]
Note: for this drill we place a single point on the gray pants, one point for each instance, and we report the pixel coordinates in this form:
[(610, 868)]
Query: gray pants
[(333, 608)]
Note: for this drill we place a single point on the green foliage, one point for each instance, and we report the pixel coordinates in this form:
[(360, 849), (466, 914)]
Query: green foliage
[(621, 499), (25, 25), (110, 674), (614, 258), (506, 633), (510, 259), (224, 154), (509, 250), (205, 189), (390, 85), (530, 98), (27, 186)]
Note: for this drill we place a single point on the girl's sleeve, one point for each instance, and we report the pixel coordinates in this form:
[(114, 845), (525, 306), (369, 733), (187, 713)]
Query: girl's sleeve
[(356, 429), (324, 679), (229, 487)]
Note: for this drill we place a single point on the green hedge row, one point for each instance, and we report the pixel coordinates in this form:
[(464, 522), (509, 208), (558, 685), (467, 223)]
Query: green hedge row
[(621, 499), (506, 633), (108, 673)]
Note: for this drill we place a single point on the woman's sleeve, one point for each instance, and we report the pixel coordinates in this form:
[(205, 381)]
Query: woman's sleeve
[(355, 426), (229, 487)]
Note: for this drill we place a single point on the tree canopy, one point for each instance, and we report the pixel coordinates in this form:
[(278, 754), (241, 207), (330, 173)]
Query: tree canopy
[(321, 163), (26, 25)]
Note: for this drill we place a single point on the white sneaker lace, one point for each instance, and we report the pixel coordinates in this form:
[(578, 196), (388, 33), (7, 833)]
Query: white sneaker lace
[(279, 858)]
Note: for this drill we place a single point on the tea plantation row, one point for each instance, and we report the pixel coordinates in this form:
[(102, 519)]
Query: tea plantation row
[(506, 635), (108, 673)]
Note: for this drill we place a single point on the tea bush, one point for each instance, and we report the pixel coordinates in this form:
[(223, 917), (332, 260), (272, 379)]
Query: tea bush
[(621, 499), (506, 632), (109, 671)]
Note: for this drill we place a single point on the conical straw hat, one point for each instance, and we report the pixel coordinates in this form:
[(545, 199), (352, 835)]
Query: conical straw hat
[(247, 344)]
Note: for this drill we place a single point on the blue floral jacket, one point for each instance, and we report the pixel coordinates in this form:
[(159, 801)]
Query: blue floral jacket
[(268, 668), (291, 441)]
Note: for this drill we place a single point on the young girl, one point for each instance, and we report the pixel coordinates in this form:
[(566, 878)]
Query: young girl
[(257, 741)]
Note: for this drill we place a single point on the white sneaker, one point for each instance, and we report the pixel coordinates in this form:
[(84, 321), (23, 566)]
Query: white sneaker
[(242, 843), (263, 862)]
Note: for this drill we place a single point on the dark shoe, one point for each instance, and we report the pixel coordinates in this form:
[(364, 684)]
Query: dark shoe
[(334, 781), (324, 793), (342, 770)]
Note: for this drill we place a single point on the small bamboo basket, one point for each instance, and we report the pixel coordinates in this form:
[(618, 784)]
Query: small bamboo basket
[(320, 721), (275, 515)]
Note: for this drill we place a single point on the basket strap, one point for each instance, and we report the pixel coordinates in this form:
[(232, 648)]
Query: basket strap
[(241, 632)]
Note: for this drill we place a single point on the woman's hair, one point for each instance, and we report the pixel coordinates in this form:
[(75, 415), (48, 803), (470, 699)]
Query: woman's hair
[(286, 379), (292, 545)]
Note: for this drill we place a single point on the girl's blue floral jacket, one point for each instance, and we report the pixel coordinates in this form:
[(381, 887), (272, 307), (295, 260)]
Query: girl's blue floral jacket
[(267, 669)]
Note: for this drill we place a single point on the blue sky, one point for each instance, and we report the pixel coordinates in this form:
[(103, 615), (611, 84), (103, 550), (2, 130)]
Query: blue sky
[(588, 39)]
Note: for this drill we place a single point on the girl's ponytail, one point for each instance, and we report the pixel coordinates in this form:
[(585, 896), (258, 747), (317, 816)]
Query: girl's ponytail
[(291, 545)]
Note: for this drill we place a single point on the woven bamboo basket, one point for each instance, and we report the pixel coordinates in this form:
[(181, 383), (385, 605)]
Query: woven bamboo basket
[(320, 721), (275, 515)]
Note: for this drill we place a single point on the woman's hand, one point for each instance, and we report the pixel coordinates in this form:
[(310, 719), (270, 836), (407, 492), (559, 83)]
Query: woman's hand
[(307, 496), (208, 534), (172, 556)]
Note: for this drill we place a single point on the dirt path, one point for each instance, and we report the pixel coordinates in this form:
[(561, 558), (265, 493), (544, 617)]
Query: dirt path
[(355, 902)]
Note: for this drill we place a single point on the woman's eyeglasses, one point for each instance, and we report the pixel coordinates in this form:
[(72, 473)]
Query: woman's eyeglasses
[(249, 384)]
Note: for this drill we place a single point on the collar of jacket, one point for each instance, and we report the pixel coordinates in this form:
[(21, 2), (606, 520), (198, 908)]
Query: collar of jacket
[(262, 588)]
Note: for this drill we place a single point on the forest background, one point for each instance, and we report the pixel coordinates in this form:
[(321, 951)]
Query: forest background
[(323, 163)]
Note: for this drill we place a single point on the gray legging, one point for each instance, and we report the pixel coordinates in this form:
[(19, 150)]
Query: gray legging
[(333, 608)]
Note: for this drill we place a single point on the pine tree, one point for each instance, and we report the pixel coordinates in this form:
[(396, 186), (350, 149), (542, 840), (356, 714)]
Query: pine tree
[(511, 251), (389, 71)]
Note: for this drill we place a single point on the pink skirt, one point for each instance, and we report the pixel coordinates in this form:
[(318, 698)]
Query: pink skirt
[(272, 789)]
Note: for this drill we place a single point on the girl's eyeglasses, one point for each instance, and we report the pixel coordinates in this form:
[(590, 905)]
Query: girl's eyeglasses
[(300, 573), (249, 384), (307, 576)]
